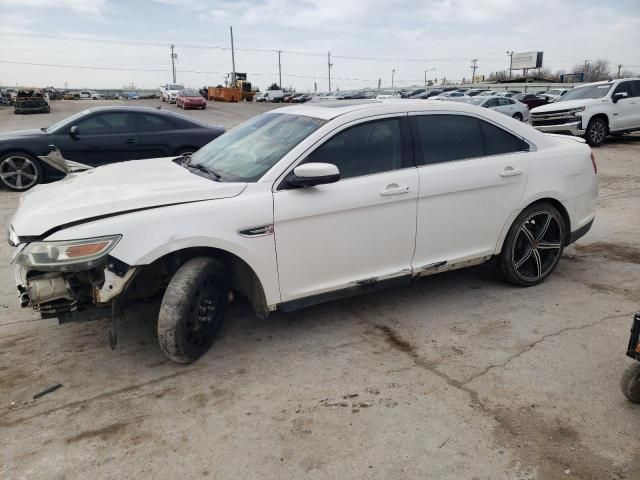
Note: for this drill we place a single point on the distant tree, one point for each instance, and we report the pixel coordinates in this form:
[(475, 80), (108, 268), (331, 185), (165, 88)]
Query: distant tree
[(594, 71), (274, 86), (628, 74)]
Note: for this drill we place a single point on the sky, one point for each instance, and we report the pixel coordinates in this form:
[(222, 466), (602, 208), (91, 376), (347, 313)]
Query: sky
[(119, 43)]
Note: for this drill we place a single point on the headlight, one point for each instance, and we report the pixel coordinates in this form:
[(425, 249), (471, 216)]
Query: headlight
[(66, 254), (576, 110)]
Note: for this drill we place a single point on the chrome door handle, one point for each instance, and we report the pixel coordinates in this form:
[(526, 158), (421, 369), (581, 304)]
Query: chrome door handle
[(394, 189), (510, 172)]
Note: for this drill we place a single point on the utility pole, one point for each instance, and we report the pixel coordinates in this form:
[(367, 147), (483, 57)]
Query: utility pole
[(393, 74), (619, 67), (329, 65), (233, 60), (315, 86), (425, 76), (379, 83), (585, 70), (279, 70), (474, 67), (173, 64), (510, 62)]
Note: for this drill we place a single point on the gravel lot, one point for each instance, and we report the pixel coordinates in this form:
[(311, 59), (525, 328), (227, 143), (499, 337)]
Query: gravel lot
[(458, 376)]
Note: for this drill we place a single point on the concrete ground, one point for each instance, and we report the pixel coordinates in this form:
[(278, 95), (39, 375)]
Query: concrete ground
[(458, 376)]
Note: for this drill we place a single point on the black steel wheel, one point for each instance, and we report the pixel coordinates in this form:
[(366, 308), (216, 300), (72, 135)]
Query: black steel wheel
[(597, 131), (517, 116), (192, 309), (533, 246), (19, 171)]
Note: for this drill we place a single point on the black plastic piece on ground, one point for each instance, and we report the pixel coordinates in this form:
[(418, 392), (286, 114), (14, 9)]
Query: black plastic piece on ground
[(632, 349), (47, 391)]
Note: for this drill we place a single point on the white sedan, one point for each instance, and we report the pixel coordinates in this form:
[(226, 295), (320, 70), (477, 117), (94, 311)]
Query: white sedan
[(507, 106), (302, 205)]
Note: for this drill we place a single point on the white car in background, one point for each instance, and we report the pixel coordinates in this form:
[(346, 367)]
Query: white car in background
[(388, 94), (507, 106), (169, 92), (302, 205), (453, 95), (554, 94), (86, 94)]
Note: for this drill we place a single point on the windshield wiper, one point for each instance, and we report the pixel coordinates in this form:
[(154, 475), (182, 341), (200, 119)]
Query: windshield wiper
[(202, 168)]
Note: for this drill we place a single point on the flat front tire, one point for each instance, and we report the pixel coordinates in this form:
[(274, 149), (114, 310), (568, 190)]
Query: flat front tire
[(533, 246), (192, 309)]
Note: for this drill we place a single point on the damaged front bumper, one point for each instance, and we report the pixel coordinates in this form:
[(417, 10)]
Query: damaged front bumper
[(59, 294)]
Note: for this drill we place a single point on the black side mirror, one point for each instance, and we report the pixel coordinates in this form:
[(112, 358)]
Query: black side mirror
[(74, 131), (618, 96)]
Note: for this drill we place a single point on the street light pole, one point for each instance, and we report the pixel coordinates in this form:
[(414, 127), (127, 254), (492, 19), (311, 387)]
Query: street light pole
[(510, 63), (393, 73)]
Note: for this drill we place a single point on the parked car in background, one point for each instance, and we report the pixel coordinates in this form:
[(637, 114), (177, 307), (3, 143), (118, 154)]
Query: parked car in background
[(530, 100), (507, 93), (190, 99), (169, 92), (386, 94), (86, 94), (451, 95), (31, 101), (129, 96), (99, 136), (593, 111), (474, 92), (554, 94), (287, 181), (413, 92), (507, 106), (275, 96), (427, 94)]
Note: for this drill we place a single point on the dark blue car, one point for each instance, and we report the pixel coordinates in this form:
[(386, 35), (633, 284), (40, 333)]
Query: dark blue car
[(99, 136)]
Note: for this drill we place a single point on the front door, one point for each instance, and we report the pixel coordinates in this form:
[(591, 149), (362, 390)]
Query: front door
[(472, 176), (358, 230), (626, 111), (101, 138)]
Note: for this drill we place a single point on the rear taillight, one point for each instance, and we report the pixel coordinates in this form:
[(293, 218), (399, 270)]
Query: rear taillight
[(593, 161)]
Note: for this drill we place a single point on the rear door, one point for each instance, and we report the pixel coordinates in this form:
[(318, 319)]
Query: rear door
[(158, 136), (472, 176), (103, 137)]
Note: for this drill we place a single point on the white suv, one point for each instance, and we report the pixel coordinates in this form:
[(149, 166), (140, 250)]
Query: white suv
[(593, 111), (302, 205)]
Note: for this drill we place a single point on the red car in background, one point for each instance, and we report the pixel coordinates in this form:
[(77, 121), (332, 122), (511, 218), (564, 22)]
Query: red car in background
[(190, 99)]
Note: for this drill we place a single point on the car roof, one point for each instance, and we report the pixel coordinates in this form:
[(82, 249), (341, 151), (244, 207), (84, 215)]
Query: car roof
[(330, 110), (152, 110)]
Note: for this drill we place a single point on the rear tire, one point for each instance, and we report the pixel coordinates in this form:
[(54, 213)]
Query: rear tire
[(517, 116), (192, 309), (597, 132), (630, 383), (533, 246)]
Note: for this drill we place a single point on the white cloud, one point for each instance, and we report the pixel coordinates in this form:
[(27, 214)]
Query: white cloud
[(93, 7)]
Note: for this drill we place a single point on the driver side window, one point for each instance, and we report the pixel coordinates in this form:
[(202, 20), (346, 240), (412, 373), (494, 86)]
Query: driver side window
[(120, 122), (364, 149)]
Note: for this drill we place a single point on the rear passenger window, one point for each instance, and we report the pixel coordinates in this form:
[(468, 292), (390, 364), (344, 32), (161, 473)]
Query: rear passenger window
[(364, 149), (635, 88), (498, 142), (444, 138)]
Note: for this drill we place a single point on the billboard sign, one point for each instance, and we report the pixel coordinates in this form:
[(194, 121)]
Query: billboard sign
[(520, 61)]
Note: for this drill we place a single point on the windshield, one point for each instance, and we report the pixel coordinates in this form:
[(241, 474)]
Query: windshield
[(247, 152), (591, 91), (476, 100), (190, 93), (67, 121), (176, 86), (387, 92)]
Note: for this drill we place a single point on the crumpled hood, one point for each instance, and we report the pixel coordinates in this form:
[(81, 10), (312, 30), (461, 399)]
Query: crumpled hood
[(115, 188)]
